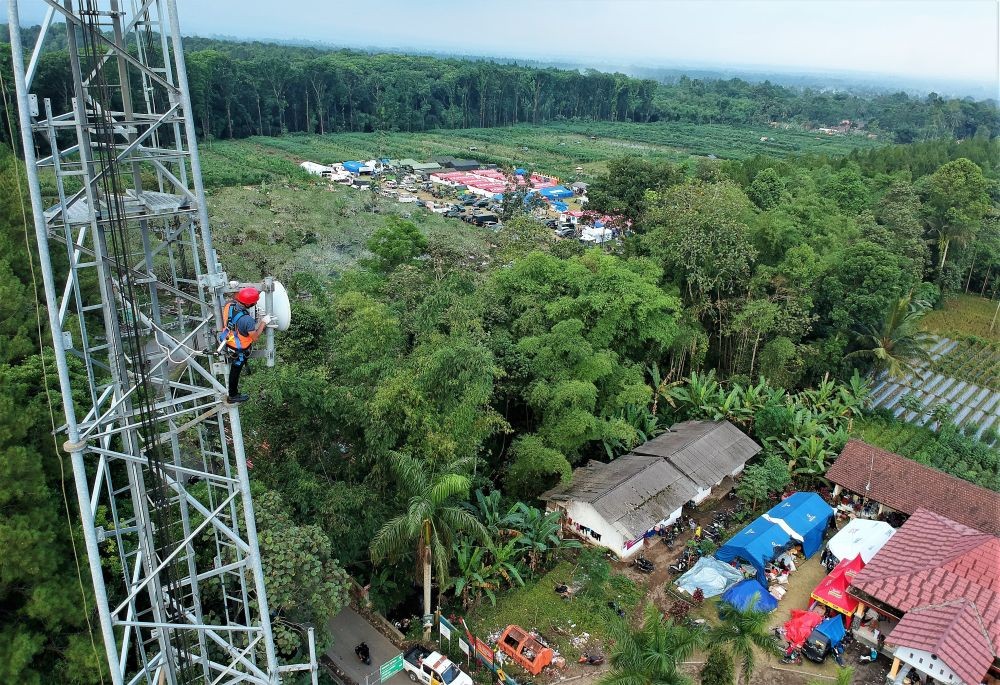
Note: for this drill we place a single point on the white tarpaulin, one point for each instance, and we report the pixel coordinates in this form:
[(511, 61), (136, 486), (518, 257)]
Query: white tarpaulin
[(711, 575), (860, 536)]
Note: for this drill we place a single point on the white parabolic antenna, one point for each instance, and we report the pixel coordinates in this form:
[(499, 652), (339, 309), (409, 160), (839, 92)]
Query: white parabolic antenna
[(281, 308)]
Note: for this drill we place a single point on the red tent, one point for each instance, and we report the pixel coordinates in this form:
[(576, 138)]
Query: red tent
[(832, 590), (800, 626)]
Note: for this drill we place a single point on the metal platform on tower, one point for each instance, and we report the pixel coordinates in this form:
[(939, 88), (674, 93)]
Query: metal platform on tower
[(134, 291)]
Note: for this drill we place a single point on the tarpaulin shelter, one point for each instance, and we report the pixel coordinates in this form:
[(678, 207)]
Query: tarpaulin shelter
[(757, 544), (556, 192), (860, 536), (354, 167), (805, 517), (750, 594), (800, 626), (711, 575), (832, 590)]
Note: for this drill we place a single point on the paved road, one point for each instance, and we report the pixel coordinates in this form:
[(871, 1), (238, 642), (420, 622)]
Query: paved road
[(349, 629)]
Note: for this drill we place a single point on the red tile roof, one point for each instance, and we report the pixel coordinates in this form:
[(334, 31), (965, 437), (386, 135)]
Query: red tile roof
[(904, 485), (945, 578), (954, 632)]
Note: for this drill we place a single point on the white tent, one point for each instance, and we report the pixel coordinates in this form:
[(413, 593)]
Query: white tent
[(860, 536)]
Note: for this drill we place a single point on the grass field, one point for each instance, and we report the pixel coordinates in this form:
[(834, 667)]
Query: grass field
[(964, 315), (536, 606), (285, 229), (557, 148)]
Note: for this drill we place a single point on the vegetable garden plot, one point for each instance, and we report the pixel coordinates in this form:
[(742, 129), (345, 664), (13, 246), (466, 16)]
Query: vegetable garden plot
[(962, 375)]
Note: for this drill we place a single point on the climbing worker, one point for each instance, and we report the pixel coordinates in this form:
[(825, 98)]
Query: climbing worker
[(240, 331)]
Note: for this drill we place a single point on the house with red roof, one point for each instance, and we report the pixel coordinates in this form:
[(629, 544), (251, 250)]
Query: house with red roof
[(936, 588), (903, 485)]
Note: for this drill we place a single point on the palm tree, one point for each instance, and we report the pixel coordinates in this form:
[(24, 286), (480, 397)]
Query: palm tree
[(743, 633), (898, 346), (651, 654), (537, 533), (431, 521)]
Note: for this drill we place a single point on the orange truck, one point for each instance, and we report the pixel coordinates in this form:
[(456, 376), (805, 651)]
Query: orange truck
[(526, 651)]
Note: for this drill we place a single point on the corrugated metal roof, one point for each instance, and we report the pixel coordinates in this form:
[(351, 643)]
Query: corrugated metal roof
[(640, 489), (707, 451)]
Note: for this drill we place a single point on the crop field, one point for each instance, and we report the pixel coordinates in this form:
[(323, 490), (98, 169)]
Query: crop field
[(557, 148), (963, 374), (963, 315)]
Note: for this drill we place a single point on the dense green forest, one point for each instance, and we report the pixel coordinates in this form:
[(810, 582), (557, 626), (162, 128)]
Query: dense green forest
[(761, 289), (242, 88)]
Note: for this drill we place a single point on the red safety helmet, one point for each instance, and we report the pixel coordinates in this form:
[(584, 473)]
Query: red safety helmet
[(248, 296)]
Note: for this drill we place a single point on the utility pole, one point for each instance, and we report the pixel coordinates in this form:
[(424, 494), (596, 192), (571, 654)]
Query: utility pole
[(133, 289)]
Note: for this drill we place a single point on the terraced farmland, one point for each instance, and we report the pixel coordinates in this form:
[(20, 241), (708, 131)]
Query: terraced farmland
[(555, 148), (964, 375)]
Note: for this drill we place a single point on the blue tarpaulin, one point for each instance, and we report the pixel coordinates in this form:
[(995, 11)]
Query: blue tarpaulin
[(805, 516), (559, 206), (520, 172), (556, 192), (833, 628), (711, 575), (757, 544), (743, 594), (353, 167)]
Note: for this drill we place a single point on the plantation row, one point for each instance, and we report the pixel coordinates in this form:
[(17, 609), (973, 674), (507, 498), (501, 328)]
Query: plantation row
[(973, 360), (726, 142), (951, 390)]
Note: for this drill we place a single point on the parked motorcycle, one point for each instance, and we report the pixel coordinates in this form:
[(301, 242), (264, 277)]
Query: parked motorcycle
[(643, 565), (680, 567), (363, 653), (591, 659)]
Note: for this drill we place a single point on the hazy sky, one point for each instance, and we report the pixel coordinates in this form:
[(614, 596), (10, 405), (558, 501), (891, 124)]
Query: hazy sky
[(955, 39)]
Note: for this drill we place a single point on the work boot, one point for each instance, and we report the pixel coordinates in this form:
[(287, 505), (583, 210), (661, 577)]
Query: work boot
[(237, 399)]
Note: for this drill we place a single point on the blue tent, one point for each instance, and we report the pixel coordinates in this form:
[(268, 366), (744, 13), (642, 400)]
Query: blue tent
[(353, 167), (805, 516), (833, 628), (743, 594), (757, 544), (520, 172), (556, 192)]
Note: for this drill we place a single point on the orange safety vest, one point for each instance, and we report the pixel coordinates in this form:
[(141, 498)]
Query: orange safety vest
[(233, 338)]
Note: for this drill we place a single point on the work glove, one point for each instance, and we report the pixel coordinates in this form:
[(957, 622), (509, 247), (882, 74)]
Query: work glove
[(267, 319)]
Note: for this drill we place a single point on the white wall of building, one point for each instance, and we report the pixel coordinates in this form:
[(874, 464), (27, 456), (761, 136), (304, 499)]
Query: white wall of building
[(582, 517), (926, 663)]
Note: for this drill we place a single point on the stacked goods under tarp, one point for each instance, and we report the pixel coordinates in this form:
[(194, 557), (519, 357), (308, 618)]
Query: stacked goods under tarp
[(711, 576), (800, 626), (832, 590)]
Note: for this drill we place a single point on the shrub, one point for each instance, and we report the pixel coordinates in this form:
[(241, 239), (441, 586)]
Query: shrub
[(718, 668)]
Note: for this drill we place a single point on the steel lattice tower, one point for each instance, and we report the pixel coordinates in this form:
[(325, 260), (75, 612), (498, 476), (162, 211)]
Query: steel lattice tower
[(133, 290)]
